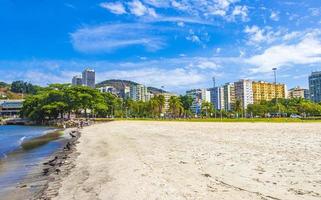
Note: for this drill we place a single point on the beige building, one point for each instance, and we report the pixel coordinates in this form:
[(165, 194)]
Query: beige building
[(298, 92), (264, 91), (167, 97)]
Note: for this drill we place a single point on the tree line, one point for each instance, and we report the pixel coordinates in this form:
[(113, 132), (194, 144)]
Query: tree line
[(63, 100)]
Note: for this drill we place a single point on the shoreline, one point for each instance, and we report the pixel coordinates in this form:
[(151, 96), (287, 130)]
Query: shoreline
[(47, 171)]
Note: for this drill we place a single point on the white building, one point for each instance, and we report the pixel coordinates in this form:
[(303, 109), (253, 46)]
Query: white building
[(108, 89), (139, 93), (199, 96), (89, 78), (167, 96), (76, 80), (229, 96), (244, 92)]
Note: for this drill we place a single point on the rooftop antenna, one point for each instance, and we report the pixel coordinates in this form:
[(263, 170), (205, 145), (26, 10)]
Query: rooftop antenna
[(214, 82)]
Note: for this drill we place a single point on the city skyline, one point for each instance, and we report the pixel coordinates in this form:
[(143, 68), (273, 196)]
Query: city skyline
[(176, 44)]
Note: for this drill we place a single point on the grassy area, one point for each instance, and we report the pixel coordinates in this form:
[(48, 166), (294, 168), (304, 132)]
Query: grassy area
[(41, 140), (272, 120)]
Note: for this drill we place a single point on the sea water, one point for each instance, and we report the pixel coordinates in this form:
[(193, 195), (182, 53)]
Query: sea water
[(16, 163)]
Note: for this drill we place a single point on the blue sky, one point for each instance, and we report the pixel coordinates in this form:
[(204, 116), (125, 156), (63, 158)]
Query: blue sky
[(180, 44)]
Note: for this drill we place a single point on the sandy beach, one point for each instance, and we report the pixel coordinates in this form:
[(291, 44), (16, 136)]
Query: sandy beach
[(139, 160)]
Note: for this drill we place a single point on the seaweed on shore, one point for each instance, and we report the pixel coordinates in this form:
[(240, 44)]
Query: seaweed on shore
[(41, 140)]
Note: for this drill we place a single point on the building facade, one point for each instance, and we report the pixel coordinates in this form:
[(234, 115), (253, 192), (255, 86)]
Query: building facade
[(108, 89), (198, 96), (315, 86), (264, 91), (167, 96), (139, 93), (229, 96), (298, 92), (10, 108), (76, 80), (244, 92), (89, 78), (217, 98)]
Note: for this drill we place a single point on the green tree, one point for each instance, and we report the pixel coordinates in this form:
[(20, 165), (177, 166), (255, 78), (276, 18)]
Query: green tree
[(207, 108), (187, 102), (175, 106)]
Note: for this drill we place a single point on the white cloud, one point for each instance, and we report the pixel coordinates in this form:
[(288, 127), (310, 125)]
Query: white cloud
[(203, 9), (194, 38), (172, 78), (306, 51), (257, 35), (241, 11), (275, 16), (139, 9), (116, 8), (108, 37)]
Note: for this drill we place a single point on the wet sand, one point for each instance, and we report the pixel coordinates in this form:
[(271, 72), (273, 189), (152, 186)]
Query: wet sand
[(179, 160)]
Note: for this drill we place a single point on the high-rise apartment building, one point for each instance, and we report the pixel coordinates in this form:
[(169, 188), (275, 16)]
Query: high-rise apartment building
[(217, 98), (167, 96), (264, 91), (76, 80), (89, 78), (229, 96), (244, 92), (199, 96), (139, 93), (315, 86), (298, 92)]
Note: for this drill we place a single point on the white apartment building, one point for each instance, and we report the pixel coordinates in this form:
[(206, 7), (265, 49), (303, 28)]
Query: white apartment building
[(108, 89), (229, 96), (244, 92), (199, 95), (89, 78), (139, 93)]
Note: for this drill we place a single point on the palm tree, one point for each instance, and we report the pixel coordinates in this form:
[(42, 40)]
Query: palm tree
[(161, 103), (175, 106), (238, 106), (207, 108)]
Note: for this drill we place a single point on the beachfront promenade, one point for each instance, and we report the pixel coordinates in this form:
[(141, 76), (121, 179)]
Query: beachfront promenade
[(138, 160)]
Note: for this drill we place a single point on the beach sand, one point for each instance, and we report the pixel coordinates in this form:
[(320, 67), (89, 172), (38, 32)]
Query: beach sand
[(136, 160)]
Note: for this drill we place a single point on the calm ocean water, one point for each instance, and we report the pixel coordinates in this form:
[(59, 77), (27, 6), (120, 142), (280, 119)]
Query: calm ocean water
[(16, 163)]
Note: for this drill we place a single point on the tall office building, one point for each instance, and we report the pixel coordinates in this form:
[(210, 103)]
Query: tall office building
[(264, 91), (139, 93), (217, 97), (298, 92), (89, 78), (229, 96), (244, 92), (76, 80), (315, 86)]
